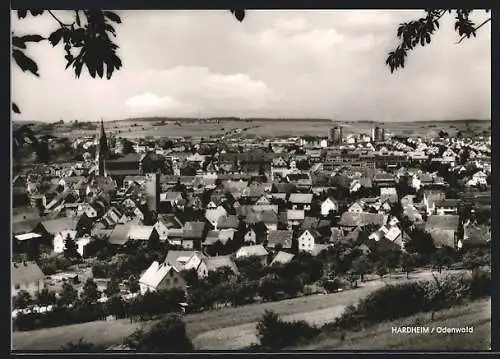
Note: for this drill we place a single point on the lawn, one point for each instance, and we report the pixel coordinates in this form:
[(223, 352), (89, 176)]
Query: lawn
[(380, 337)]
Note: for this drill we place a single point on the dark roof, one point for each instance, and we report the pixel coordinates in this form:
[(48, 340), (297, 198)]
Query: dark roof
[(169, 220), (26, 272), (230, 221), (349, 219), (193, 229), (442, 222), (310, 223), (54, 226), (283, 237)]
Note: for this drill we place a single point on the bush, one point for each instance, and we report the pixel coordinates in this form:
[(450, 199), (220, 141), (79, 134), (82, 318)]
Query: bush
[(274, 333), (169, 335), (424, 296)]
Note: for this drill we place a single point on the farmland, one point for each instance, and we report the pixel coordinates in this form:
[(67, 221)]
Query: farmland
[(163, 128)]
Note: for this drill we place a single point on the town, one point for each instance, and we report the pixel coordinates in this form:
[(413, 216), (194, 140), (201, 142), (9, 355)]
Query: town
[(137, 228)]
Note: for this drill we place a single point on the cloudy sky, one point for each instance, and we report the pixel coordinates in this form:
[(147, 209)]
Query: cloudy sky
[(324, 64)]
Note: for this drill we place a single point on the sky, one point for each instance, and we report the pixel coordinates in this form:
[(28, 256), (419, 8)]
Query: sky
[(301, 63)]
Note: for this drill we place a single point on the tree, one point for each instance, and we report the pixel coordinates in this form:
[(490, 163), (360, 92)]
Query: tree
[(381, 269), (168, 335), (250, 267), (112, 288), (475, 259), (115, 306), (133, 284), (42, 151), (90, 293), (70, 248), (82, 347), (420, 32), (46, 297), (68, 295), (22, 300), (441, 258), (361, 266), (408, 262), (127, 147)]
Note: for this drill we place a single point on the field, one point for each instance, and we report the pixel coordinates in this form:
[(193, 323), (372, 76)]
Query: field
[(380, 337), (263, 128), (227, 328)]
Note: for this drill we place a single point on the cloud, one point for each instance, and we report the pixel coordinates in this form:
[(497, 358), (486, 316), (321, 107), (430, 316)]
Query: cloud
[(149, 100), (185, 88), (291, 24)]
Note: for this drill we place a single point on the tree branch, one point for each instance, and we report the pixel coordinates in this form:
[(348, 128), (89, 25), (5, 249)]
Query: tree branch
[(475, 29), (59, 21)]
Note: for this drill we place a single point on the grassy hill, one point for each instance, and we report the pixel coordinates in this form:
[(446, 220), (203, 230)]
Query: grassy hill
[(380, 337)]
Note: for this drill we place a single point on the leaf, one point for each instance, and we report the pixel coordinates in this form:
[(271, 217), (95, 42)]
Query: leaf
[(15, 108), (77, 16), (239, 14), (21, 14), (36, 12), (24, 62), (32, 38), (56, 36), (112, 16), (18, 42)]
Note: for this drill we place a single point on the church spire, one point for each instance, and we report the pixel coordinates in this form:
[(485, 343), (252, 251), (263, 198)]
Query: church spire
[(102, 151)]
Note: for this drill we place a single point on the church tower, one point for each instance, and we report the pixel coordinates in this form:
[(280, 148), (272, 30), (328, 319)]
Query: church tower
[(102, 151)]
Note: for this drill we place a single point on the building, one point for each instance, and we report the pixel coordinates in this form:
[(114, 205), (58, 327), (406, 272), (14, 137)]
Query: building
[(102, 152), (378, 134), (26, 276), (335, 136), (161, 276), (152, 191)]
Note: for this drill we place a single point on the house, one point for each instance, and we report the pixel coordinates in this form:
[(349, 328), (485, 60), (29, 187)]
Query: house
[(54, 226), (301, 201), (193, 232), (282, 258), (443, 230), (257, 250), (349, 221), (475, 236), (119, 234), (391, 233), (213, 215), (447, 206), (24, 220), (308, 239), (329, 205), (388, 194), (26, 276), (250, 237), (142, 233), (479, 178), (168, 224), (430, 198), (356, 207), (279, 239), (184, 260), (161, 276), (211, 264), (294, 217), (228, 222)]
